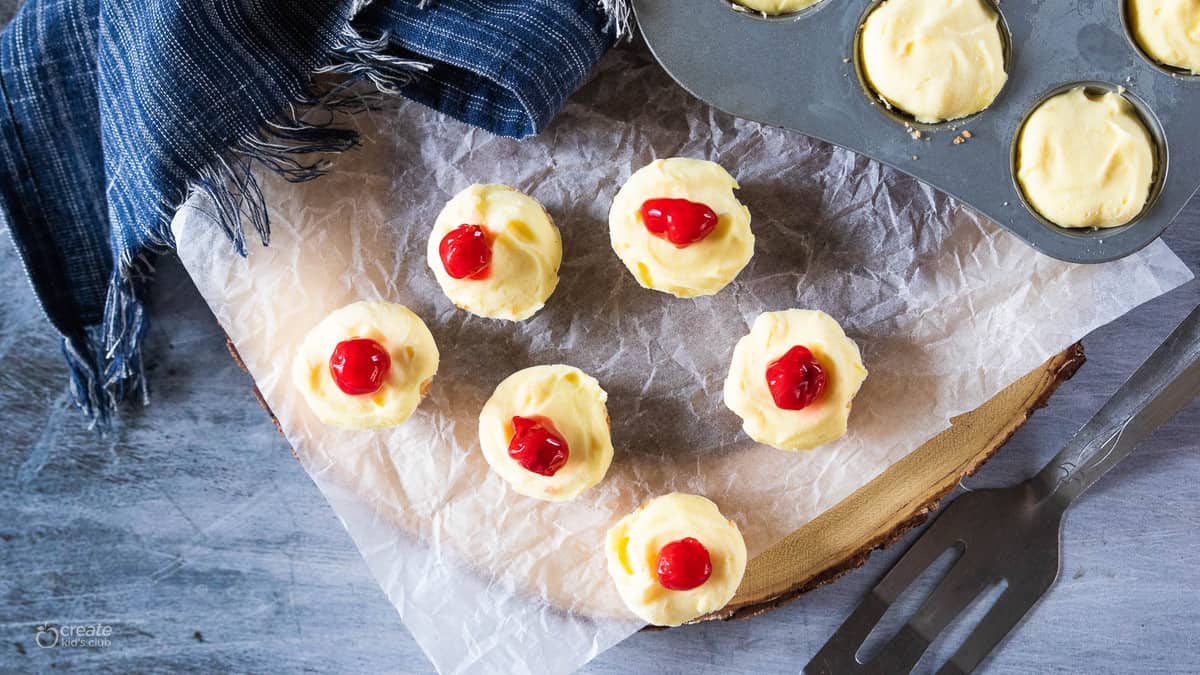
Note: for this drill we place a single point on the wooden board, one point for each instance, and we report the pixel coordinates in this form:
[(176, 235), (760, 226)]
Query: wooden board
[(882, 511)]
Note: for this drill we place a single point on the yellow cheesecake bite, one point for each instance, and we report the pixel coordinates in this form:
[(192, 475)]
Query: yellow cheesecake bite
[(935, 60), (678, 228), (1168, 31), (545, 431), (495, 252), (1085, 159), (793, 378), (366, 365), (675, 558), (773, 7)]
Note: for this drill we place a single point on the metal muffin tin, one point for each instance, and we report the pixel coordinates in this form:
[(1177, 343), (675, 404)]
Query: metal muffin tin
[(800, 71)]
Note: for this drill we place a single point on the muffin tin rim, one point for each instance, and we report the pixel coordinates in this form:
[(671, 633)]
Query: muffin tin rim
[(905, 118), (1149, 121)]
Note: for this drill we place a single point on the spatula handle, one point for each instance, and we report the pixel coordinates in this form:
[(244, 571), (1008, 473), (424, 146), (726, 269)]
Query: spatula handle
[(1165, 383)]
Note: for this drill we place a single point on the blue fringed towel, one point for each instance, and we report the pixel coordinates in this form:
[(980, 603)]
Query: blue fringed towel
[(114, 110)]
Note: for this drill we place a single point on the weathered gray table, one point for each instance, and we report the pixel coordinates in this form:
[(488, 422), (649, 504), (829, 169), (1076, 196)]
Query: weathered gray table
[(197, 538)]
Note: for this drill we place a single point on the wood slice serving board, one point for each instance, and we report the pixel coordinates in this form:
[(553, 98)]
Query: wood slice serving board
[(881, 512), (900, 499)]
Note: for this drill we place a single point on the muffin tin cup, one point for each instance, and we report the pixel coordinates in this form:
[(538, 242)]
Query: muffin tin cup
[(800, 72), (899, 115), (1148, 120), (1173, 71)]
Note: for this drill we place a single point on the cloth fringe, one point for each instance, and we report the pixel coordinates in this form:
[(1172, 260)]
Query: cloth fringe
[(86, 389), (106, 367), (367, 58), (124, 328), (620, 18)]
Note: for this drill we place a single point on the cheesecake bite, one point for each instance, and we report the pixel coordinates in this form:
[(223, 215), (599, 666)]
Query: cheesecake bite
[(1085, 159), (935, 61), (773, 7), (675, 558), (793, 378), (545, 432), (366, 365), (679, 229), (495, 252), (1168, 31)]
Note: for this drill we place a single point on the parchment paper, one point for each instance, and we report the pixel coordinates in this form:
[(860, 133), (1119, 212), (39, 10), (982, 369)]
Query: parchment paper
[(948, 309)]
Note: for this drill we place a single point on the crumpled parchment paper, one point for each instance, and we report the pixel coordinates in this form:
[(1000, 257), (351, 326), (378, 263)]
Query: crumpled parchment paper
[(947, 308)]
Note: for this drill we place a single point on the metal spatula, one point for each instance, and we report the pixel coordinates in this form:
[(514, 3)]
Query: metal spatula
[(1013, 534)]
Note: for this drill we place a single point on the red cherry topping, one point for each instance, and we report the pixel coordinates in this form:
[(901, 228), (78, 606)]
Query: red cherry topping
[(683, 565), (677, 220), (537, 445), (796, 379), (358, 366), (466, 252)]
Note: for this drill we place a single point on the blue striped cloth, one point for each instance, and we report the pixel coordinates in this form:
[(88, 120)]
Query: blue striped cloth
[(112, 111)]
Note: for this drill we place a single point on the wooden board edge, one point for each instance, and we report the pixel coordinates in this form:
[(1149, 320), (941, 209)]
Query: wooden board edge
[(1072, 359)]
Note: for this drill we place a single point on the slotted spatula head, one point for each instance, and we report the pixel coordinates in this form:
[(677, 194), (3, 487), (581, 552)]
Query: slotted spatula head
[(1003, 535), (1011, 536)]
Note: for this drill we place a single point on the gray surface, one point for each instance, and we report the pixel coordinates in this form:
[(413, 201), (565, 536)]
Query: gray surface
[(1054, 44), (198, 538)]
